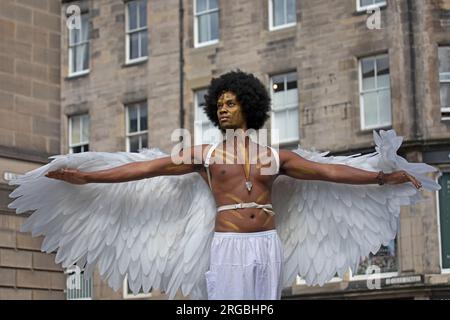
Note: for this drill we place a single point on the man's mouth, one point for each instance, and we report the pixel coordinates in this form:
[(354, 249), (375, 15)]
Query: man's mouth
[(223, 119)]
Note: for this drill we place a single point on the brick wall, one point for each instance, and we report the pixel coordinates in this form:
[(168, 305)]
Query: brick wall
[(323, 48), (25, 271), (29, 133), (29, 76)]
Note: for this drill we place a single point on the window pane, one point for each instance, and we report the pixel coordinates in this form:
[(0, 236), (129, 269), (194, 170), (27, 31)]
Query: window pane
[(201, 96), (134, 46), (383, 72), (144, 43), (201, 5), (79, 55), (134, 143), (73, 52), (74, 36), (213, 4), (86, 148), (278, 100), (364, 3), (208, 132), (85, 27), (368, 74), (85, 59), (75, 126), (200, 100), (384, 100), (291, 80), (85, 129), (292, 124), (278, 12), (385, 259), (144, 141), (214, 25), (291, 97), (383, 81), (445, 95), (291, 14), (279, 123), (278, 92), (143, 117), (292, 92), (278, 83), (143, 13), (203, 34), (444, 59), (77, 149), (132, 119), (370, 109), (132, 15)]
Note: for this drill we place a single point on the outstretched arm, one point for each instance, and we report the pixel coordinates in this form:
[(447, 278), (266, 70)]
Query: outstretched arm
[(298, 167), (129, 172)]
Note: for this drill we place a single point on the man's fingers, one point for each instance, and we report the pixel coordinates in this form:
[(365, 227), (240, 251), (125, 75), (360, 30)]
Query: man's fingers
[(416, 182), (56, 174)]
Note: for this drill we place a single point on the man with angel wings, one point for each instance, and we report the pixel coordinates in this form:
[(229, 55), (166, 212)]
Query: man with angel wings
[(247, 237)]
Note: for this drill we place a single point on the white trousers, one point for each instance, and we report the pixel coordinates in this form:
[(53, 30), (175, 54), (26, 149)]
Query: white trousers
[(245, 266)]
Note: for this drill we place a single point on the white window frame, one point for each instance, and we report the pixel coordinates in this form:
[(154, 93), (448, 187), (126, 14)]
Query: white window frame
[(281, 26), (81, 143), (69, 273), (443, 270), (137, 30), (360, 8), (71, 46), (444, 77), (198, 124), (127, 124), (290, 140), (382, 275), (299, 281), (128, 295), (198, 44), (361, 100)]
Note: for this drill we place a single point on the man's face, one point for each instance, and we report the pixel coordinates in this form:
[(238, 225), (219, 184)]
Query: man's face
[(229, 112)]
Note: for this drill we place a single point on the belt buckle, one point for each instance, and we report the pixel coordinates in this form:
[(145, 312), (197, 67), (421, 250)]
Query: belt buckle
[(239, 206)]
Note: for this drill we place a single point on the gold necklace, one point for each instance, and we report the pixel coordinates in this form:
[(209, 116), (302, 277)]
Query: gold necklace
[(248, 183)]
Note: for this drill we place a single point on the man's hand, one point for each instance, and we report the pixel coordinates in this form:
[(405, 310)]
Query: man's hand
[(398, 177), (73, 176)]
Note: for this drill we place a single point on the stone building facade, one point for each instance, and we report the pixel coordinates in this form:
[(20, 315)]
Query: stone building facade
[(323, 45), (330, 58), (30, 34)]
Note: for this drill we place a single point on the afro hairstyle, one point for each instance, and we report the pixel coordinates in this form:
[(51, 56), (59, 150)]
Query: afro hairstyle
[(250, 93)]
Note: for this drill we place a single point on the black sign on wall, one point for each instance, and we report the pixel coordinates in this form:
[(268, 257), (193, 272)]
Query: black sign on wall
[(444, 210)]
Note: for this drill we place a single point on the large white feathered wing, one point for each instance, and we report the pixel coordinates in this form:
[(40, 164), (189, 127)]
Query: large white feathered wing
[(157, 231), (327, 228)]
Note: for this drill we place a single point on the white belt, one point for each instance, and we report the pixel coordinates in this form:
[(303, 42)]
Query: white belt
[(266, 207)]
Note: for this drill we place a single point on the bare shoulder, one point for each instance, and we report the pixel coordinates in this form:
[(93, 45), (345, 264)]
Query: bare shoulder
[(286, 155)]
